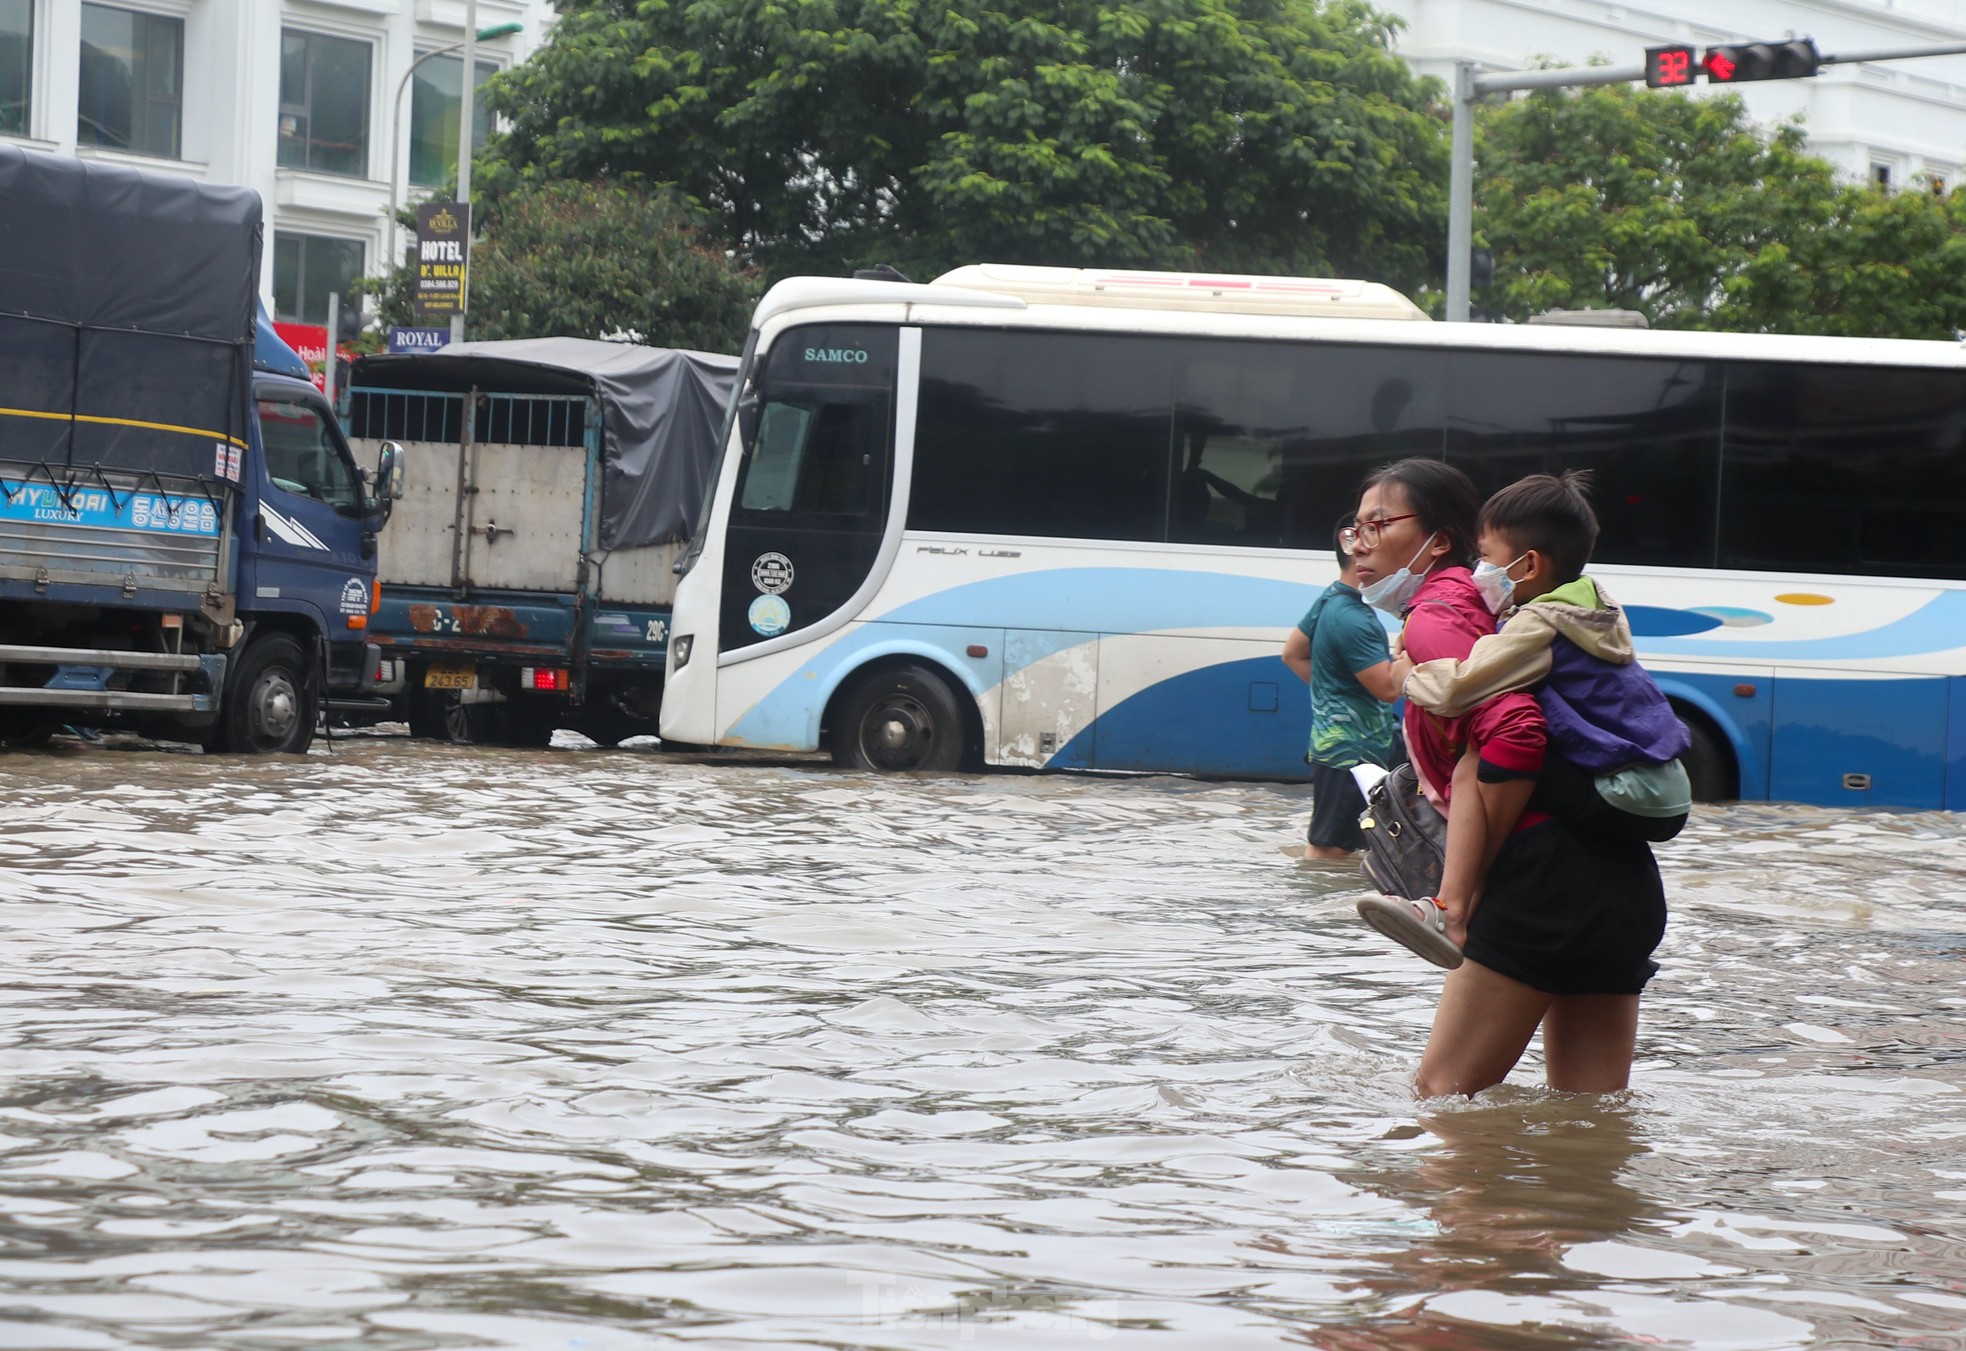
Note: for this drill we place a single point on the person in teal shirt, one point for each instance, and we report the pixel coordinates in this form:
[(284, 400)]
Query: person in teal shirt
[(1339, 649)]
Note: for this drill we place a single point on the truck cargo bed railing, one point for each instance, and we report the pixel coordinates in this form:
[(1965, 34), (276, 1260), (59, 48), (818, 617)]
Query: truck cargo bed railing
[(433, 416)]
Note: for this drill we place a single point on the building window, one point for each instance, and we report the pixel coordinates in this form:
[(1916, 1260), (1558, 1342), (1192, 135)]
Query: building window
[(324, 103), (434, 106), (16, 64), (1880, 175), (131, 81), (306, 269)]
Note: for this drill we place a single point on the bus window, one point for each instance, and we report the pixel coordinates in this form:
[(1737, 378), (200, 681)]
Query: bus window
[(1647, 429), (1031, 433), (821, 445), (1845, 470), (1273, 439), (814, 482), (772, 477)]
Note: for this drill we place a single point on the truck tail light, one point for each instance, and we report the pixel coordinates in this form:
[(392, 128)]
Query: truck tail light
[(549, 678)]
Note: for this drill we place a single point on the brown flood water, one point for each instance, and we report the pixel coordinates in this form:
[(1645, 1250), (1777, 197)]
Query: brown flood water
[(401, 1046)]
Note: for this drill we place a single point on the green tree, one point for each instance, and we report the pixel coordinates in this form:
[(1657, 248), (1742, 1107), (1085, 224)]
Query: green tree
[(1682, 209), (1259, 135), (597, 260)]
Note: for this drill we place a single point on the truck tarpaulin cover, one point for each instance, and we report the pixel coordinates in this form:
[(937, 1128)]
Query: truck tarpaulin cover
[(662, 412), (127, 302)]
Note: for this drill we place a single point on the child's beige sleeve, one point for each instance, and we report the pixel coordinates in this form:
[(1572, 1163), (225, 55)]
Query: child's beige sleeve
[(1514, 659)]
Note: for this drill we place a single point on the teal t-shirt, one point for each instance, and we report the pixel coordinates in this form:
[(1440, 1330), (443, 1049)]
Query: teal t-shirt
[(1348, 725)]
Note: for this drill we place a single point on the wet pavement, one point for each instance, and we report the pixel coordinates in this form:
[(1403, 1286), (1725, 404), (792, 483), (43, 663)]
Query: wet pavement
[(402, 1046)]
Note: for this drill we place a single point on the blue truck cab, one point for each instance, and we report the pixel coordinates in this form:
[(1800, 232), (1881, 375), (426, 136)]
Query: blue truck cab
[(187, 546)]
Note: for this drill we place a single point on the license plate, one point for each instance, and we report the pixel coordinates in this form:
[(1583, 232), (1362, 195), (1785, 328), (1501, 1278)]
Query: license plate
[(450, 677)]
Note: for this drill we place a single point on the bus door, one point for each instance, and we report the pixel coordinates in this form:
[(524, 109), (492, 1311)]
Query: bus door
[(811, 501)]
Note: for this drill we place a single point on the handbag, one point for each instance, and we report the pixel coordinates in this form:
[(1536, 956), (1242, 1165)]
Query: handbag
[(1405, 837)]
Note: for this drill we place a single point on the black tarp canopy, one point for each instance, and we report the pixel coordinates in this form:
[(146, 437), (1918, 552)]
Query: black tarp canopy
[(662, 413), (127, 303)]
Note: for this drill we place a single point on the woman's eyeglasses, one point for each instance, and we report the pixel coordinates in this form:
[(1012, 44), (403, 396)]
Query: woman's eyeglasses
[(1368, 532)]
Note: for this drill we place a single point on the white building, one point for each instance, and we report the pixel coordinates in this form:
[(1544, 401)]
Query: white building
[(310, 102), (1898, 122)]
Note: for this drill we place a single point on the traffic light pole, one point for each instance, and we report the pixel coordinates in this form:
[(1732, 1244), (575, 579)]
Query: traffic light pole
[(1469, 86)]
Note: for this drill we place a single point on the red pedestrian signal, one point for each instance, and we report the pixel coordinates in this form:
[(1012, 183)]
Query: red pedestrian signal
[(1670, 67), (1740, 62)]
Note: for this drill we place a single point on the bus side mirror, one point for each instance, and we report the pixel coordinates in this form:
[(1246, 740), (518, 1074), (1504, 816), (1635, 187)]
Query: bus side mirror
[(747, 420)]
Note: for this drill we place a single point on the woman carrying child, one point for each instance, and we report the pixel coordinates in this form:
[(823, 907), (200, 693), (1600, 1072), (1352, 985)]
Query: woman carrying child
[(1557, 926)]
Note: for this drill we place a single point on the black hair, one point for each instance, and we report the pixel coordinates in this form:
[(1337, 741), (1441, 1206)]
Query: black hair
[(1442, 497), (1345, 522), (1550, 514)]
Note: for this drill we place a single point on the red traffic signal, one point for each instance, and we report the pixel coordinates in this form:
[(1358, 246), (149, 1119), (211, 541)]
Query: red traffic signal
[(1670, 67), (1740, 62)]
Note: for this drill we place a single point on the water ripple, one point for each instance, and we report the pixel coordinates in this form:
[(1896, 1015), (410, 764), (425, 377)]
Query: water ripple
[(411, 1047)]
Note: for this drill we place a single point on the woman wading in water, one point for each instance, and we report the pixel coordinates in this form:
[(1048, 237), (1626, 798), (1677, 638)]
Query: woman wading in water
[(1558, 928)]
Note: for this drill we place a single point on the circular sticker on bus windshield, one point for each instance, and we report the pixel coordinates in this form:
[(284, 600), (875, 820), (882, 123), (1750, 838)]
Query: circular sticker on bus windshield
[(772, 574), (770, 616)]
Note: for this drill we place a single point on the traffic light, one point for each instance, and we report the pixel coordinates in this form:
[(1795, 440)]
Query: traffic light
[(1740, 62)]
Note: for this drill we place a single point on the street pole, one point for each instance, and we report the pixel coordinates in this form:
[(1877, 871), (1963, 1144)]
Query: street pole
[(334, 327), (466, 116), (396, 151), (1460, 193), (1468, 87), (396, 133)]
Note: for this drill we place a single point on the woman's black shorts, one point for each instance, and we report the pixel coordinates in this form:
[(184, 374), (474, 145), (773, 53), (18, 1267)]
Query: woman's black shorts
[(1569, 913)]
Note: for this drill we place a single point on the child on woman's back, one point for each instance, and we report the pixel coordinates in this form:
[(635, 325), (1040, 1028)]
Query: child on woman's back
[(1612, 764)]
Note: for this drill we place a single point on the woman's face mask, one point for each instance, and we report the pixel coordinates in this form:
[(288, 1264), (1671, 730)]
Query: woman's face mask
[(1392, 592)]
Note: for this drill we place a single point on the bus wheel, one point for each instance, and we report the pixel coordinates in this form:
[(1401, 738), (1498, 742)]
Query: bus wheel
[(1708, 765), (269, 708), (903, 718)]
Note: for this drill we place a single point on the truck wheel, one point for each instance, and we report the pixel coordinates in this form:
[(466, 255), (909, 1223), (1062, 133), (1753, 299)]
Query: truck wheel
[(515, 724), (25, 731), (269, 704), (442, 715), (897, 720), (1708, 765)]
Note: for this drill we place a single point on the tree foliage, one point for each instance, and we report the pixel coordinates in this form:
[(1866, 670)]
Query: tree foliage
[(597, 260), (1257, 135), (1681, 208)]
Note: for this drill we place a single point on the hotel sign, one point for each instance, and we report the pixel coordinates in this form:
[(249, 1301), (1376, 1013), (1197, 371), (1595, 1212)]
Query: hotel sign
[(443, 250)]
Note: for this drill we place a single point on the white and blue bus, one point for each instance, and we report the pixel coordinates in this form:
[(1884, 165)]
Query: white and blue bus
[(1063, 519)]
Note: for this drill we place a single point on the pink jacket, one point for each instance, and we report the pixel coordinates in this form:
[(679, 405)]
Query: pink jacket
[(1446, 618)]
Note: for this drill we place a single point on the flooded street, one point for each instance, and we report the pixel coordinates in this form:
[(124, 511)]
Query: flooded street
[(403, 1046)]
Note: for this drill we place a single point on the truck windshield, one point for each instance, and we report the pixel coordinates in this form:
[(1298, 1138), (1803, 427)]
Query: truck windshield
[(304, 457)]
